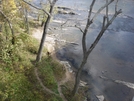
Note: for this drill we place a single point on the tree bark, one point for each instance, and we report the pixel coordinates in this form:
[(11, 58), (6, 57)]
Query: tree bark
[(38, 58), (86, 52), (77, 78)]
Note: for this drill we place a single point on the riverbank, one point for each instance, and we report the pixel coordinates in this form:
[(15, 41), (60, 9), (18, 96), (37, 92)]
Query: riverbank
[(67, 82)]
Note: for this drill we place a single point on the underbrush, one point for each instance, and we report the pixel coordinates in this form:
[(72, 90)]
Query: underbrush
[(67, 91), (17, 78), (18, 81)]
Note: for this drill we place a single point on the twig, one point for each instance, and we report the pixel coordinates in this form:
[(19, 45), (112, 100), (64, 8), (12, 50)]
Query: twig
[(101, 9), (37, 8), (107, 11), (79, 28), (65, 22), (116, 4), (86, 29), (103, 30), (104, 20)]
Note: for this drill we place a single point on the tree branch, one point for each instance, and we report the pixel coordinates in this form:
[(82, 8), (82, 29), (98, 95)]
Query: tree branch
[(107, 11), (104, 20), (64, 22), (116, 6), (86, 29), (76, 27), (79, 28), (37, 8), (102, 31), (90, 11), (101, 9)]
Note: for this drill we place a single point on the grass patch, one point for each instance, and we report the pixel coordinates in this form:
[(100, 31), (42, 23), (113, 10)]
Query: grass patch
[(17, 79), (50, 72), (67, 91)]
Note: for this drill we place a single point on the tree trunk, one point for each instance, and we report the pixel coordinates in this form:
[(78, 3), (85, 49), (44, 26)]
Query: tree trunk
[(38, 58), (86, 52), (77, 79)]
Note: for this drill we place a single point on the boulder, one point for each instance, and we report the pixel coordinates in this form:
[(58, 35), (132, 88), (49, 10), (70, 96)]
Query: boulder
[(64, 8), (82, 83), (133, 99), (100, 97), (67, 12), (67, 66), (50, 48)]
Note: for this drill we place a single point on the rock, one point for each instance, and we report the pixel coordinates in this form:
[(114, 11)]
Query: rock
[(103, 72), (64, 8), (100, 97), (50, 48), (67, 66), (67, 12), (82, 83), (72, 13), (62, 12), (133, 99), (85, 99)]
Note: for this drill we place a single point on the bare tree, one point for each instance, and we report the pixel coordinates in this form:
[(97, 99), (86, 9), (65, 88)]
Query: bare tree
[(86, 50), (46, 25), (52, 4)]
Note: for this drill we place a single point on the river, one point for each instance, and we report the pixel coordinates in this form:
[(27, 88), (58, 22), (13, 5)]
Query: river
[(113, 57)]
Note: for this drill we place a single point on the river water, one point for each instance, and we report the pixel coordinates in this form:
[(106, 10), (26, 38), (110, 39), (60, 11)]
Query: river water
[(113, 57)]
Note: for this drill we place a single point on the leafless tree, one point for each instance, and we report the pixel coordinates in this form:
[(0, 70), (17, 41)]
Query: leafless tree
[(46, 25), (105, 25)]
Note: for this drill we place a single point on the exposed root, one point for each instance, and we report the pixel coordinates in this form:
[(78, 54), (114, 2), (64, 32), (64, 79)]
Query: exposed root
[(40, 82), (48, 90)]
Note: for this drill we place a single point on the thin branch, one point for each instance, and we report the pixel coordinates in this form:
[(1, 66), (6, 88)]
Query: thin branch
[(75, 27), (86, 29), (64, 22), (101, 9), (107, 11), (116, 4), (90, 11), (37, 8), (104, 20), (79, 28), (102, 31)]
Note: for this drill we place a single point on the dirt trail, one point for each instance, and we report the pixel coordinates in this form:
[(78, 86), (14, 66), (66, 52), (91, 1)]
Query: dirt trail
[(68, 77), (39, 80), (37, 33)]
